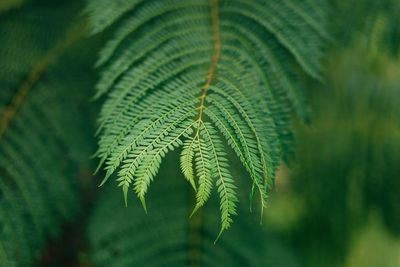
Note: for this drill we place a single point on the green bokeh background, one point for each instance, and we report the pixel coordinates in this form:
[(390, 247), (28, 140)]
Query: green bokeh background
[(337, 203)]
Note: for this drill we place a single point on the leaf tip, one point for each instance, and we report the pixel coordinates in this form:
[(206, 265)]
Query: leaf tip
[(143, 204), (219, 235), (194, 210), (125, 191)]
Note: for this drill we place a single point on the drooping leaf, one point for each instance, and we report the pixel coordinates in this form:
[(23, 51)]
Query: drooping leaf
[(176, 69)]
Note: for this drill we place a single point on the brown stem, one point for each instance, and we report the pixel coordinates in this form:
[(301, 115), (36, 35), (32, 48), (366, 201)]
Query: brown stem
[(217, 51), (10, 111)]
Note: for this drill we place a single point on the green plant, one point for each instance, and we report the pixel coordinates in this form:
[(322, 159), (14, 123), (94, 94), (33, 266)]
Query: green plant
[(123, 236), (219, 78), (44, 132), (190, 73)]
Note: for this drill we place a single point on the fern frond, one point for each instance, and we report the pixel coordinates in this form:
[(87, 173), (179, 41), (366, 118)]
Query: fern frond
[(203, 170), (175, 65), (225, 186), (152, 161), (121, 236), (187, 161)]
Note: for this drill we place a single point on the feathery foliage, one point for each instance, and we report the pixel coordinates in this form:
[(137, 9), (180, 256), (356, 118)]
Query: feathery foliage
[(42, 130), (190, 72), (121, 236)]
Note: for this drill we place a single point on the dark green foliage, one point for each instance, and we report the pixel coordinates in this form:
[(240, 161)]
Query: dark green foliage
[(377, 23), (348, 165), (43, 134), (218, 83), (195, 71), (122, 236), (358, 152), (26, 38)]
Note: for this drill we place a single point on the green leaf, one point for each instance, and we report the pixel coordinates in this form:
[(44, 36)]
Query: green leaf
[(204, 64)]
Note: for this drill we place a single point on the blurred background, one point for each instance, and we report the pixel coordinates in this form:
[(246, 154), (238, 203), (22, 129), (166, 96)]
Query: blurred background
[(337, 203)]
